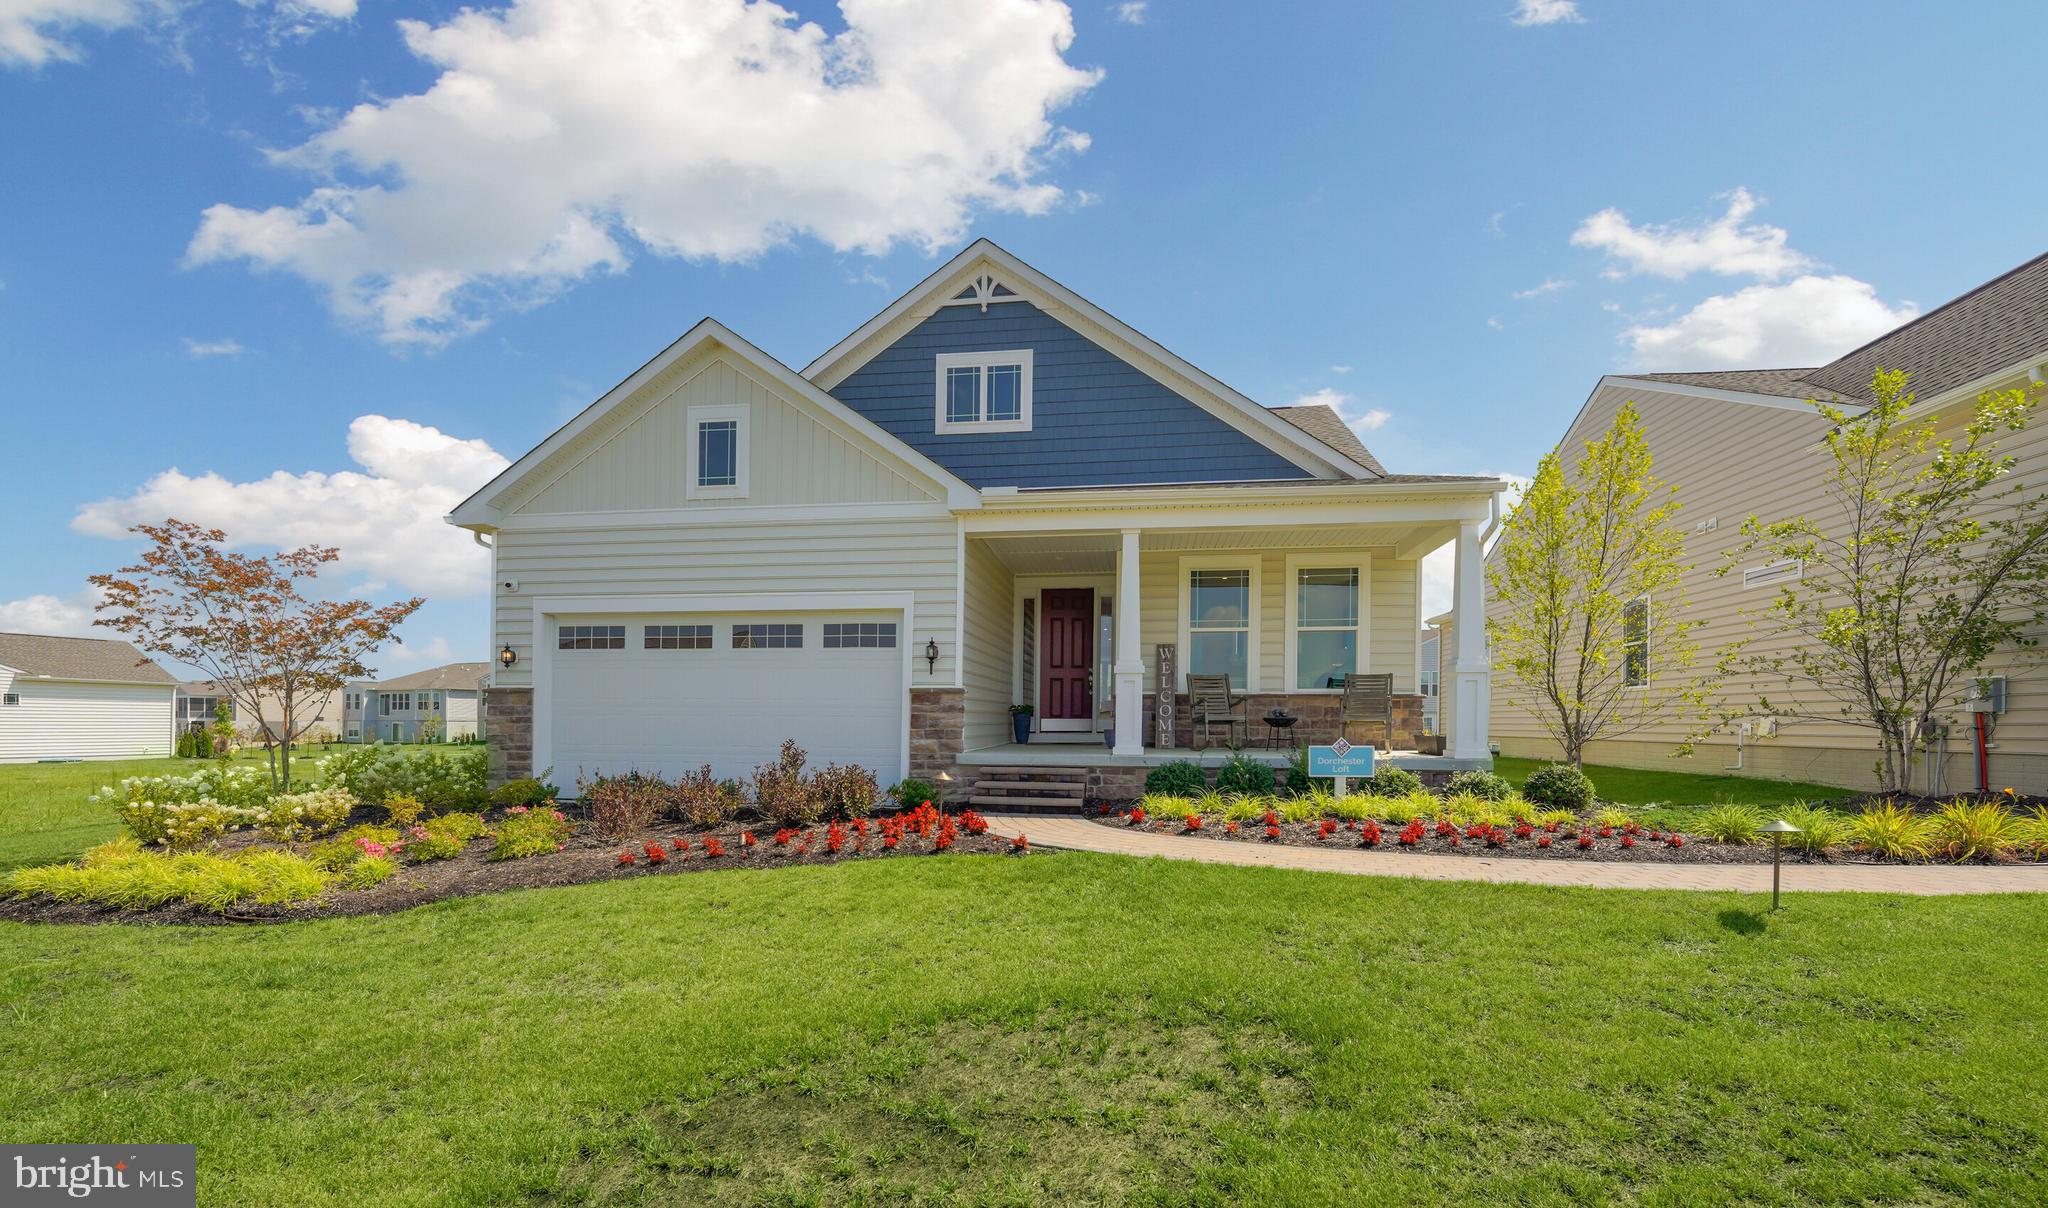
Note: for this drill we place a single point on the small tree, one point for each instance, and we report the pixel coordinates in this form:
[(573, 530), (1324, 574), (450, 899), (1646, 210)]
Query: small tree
[(1595, 641), (1922, 561), (246, 623), (222, 731)]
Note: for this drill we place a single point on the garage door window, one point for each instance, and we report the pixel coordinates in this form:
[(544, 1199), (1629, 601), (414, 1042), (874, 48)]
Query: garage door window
[(678, 637), (848, 635), (592, 637), (772, 636)]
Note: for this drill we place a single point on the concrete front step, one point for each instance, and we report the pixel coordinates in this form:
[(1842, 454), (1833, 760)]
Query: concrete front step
[(1035, 786), (1050, 805), (1021, 773)]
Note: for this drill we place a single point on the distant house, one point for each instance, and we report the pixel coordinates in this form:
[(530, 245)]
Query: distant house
[(1432, 676), (197, 700), (81, 698), (438, 704)]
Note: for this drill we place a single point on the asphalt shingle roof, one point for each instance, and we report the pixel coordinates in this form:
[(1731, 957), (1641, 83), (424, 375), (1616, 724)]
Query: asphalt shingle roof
[(1784, 383), (105, 660), (448, 677), (1323, 423)]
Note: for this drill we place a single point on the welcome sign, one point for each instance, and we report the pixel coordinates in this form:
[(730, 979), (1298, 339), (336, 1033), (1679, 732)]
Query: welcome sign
[(1340, 758)]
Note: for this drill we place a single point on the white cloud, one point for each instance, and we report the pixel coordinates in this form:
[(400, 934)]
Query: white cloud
[(1550, 285), (1340, 369), (65, 616), (430, 653), (1546, 12), (1494, 322), (1336, 400), (1721, 245), (197, 349), (1440, 566), (1362, 421), (561, 135), (1370, 420), (1809, 320), (1131, 12), (385, 520), (33, 32)]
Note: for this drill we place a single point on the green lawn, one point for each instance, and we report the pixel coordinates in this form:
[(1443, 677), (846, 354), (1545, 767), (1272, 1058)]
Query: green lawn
[(1061, 1028), (1629, 786)]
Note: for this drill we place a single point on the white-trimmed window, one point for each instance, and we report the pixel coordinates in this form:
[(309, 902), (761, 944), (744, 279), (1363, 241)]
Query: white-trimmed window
[(10, 699), (1326, 619), (591, 637), (676, 637), (983, 392), (717, 455), (771, 635), (849, 635), (1219, 619), (1635, 642)]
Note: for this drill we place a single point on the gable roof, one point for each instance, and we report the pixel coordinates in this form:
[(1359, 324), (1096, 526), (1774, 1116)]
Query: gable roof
[(1993, 327), (1322, 422), (1783, 383), (98, 660), (449, 677), (1298, 445), (479, 510)]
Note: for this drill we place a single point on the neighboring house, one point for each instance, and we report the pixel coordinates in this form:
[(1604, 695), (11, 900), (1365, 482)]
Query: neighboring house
[(1746, 442), (1432, 676), (196, 701), (81, 698), (401, 710), (992, 493)]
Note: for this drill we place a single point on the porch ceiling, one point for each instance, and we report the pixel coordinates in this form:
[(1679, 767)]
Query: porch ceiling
[(1054, 553)]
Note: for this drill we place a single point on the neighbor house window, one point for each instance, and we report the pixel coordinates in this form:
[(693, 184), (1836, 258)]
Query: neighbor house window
[(1635, 642), (717, 454), (10, 699), (984, 392), (775, 635), (677, 637), (591, 637), (846, 635), (1219, 621), (1326, 626), (396, 702)]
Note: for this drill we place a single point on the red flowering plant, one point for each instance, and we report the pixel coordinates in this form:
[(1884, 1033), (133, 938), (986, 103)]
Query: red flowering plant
[(1136, 816), (1369, 835), (1412, 833), (1628, 840), (626, 855), (1523, 830), (1326, 828), (1495, 836), (1543, 840), (681, 844), (713, 849), (1452, 838), (1606, 832), (784, 836), (974, 823), (747, 839), (1192, 823), (1230, 828), (1272, 818), (1551, 827), (890, 839), (835, 837), (1273, 833), (1585, 841), (1020, 844), (1676, 840), (1446, 828), (1475, 831), (656, 853), (1102, 810)]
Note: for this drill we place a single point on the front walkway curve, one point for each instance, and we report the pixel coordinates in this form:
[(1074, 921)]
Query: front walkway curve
[(1078, 834)]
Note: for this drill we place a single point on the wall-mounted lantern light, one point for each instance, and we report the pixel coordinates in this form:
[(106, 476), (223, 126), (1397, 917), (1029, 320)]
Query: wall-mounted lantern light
[(931, 655), (507, 656)]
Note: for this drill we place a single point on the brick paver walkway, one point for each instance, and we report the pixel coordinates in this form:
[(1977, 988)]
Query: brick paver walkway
[(1052, 830)]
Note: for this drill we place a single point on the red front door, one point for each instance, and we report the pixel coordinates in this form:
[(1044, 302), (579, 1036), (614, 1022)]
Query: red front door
[(1066, 691)]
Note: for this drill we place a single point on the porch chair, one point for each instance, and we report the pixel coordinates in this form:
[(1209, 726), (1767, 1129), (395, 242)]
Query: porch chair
[(1369, 701), (1210, 704)]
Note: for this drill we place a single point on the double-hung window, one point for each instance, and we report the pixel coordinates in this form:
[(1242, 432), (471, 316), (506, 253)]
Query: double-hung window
[(1220, 622), (1325, 621), (717, 452), (1635, 642), (983, 392)]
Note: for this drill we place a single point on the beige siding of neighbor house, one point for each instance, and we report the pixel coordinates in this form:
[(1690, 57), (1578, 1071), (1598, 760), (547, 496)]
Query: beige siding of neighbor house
[(61, 719), (991, 640), (793, 458), (1730, 460)]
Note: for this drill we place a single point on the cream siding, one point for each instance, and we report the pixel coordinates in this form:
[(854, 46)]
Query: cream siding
[(461, 715), (794, 458), (62, 719), (1730, 460), (991, 639), (914, 554)]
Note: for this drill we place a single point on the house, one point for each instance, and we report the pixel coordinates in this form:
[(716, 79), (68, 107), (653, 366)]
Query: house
[(440, 704), (197, 700), (1431, 662), (992, 493), (81, 698), (1746, 442)]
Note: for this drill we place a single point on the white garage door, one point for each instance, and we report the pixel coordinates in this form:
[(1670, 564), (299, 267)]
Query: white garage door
[(669, 693)]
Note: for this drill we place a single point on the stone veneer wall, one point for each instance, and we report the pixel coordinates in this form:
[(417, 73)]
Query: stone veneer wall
[(1318, 724), (508, 733), (937, 716)]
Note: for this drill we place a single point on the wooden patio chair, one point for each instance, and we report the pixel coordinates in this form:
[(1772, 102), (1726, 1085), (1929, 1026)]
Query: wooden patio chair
[(1211, 704), (1368, 701)]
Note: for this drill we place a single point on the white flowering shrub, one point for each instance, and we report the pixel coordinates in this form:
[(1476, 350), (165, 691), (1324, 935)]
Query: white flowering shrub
[(183, 825), (240, 787), (298, 816)]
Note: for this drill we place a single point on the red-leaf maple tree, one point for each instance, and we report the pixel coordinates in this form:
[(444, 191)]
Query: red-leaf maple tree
[(247, 623)]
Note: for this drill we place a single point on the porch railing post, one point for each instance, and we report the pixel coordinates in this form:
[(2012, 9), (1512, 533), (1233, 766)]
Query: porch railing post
[(1130, 659)]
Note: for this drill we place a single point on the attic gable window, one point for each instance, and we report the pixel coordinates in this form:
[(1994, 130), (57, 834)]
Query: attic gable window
[(983, 392), (717, 452)]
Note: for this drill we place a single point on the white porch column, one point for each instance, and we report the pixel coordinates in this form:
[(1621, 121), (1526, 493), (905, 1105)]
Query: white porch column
[(1469, 667), (1130, 660)]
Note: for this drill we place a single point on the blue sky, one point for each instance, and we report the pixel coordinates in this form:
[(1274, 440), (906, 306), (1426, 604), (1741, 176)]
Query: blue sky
[(330, 269)]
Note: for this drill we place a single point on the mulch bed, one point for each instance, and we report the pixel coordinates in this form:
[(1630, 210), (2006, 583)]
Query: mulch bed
[(588, 857), (1563, 844)]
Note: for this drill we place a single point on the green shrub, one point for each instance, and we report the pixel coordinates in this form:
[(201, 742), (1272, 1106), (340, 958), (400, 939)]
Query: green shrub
[(1181, 778), (1729, 823), (528, 791), (1355, 806), (1243, 775), (283, 877), (1476, 783), (1231, 809), (1167, 805), (401, 809), (183, 825), (1561, 817), (1390, 781), (910, 792), (241, 786), (298, 816), (1560, 785), (529, 831), (368, 871), (346, 848), (2033, 833), (1298, 779), (1612, 815), (1298, 809), (1819, 827), (1963, 830), (1408, 807), (442, 778), (123, 875), (442, 838), (1891, 830), (847, 791)]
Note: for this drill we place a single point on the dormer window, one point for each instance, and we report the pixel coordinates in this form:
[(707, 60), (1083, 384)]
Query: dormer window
[(984, 392)]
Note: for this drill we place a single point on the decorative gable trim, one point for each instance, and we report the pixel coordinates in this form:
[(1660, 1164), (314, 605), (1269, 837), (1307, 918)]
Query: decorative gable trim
[(486, 509), (983, 291), (954, 283)]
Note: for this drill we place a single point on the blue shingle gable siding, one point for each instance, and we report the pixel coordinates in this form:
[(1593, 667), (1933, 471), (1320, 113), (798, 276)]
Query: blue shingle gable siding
[(1096, 419)]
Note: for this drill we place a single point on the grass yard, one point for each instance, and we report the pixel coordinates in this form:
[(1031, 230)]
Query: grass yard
[(1059, 1028), (1629, 786)]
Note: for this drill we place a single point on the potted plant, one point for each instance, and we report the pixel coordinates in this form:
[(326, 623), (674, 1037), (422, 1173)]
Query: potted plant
[(1020, 722)]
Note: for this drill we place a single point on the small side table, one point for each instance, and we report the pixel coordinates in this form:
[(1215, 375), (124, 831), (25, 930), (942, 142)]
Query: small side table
[(1279, 727)]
